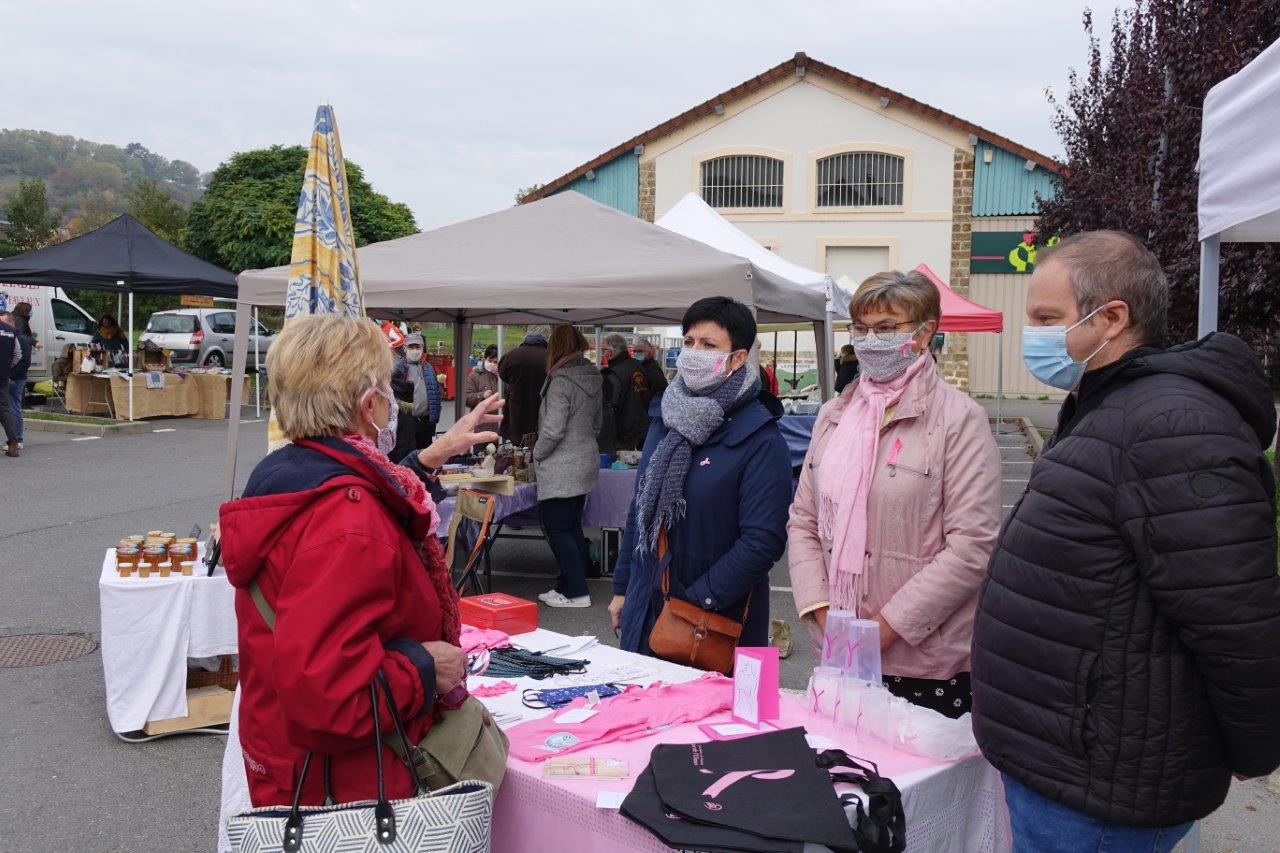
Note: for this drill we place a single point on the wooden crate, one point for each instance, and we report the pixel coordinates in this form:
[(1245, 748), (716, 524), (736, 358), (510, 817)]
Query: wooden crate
[(206, 706)]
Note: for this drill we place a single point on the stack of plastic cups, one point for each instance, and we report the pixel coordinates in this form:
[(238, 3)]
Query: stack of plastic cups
[(852, 646)]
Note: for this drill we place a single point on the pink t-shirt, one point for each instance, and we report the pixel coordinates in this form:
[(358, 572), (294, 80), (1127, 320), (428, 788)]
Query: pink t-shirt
[(627, 716)]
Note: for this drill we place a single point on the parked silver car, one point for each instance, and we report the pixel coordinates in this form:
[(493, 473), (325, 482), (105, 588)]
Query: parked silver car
[(204, 336)]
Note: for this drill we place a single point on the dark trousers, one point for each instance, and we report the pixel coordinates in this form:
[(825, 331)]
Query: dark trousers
[(562, 521), (424, 432), (17, 394), (8, 417)]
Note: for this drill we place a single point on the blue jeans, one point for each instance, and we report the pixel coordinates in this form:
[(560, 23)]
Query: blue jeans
[(562, 521), (17, 390), (1042, 825)]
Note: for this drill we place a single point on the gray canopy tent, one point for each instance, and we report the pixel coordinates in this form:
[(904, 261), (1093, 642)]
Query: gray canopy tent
[(562, 259)]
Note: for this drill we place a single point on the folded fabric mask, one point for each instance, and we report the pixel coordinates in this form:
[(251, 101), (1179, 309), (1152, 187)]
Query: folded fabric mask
[(558, 697)]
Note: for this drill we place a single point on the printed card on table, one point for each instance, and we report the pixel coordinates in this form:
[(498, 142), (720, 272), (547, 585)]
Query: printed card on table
[(755, 684)]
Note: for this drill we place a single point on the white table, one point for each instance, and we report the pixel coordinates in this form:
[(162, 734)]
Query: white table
[(955, 807), (150, 626)]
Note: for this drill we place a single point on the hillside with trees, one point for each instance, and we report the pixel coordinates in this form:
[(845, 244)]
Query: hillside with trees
[(88, 183)]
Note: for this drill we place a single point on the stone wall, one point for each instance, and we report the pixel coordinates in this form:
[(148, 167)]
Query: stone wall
[(649, 183), (954, 366)]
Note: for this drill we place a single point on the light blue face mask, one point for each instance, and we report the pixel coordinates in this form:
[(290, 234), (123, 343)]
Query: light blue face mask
[(1044, 351)]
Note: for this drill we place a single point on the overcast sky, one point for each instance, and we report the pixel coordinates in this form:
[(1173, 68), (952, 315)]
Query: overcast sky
[(450, 107)]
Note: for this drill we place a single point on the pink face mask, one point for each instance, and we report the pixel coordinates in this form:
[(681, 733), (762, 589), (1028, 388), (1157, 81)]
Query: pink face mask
[(702, 370)]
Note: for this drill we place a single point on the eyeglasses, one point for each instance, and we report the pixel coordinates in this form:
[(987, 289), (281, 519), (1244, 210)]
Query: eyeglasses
[(883, 332)]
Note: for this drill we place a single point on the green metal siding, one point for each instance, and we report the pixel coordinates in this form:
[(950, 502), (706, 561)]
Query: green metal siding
[(1004, 187), (616, 183)]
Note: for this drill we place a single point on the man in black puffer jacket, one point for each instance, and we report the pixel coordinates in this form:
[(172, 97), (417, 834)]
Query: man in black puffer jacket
[(1126, 651)]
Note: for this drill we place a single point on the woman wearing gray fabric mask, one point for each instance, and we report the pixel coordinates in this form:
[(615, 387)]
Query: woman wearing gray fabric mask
[(714, 482)]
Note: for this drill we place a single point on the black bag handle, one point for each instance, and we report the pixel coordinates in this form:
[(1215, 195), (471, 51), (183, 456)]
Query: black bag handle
[(384, 815), (882, 826)]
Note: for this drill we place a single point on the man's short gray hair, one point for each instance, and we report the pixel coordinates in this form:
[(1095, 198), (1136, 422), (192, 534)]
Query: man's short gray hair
[(616, 343), (1107, 265)]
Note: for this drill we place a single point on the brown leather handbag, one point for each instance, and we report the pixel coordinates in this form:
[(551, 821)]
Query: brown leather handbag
[(685, 633)]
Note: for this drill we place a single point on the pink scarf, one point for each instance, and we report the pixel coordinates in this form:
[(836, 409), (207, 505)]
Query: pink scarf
[(429, 549), (844, 479)]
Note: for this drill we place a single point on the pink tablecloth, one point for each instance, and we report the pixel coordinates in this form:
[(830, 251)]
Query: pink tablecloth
[(950, 806)]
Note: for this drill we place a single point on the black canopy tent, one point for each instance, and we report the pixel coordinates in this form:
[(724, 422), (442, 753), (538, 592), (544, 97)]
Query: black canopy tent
[(121, 257)]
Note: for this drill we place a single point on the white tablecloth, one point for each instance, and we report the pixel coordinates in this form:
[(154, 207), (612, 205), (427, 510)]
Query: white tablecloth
[(955, 807), (150, 626)]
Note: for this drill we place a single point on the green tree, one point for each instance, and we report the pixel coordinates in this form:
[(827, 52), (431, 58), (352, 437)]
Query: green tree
[(32, 225), (245, 218), (154, 207), (99, 209)]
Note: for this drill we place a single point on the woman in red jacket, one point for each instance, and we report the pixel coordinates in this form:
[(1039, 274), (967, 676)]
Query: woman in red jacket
[(342, 544)]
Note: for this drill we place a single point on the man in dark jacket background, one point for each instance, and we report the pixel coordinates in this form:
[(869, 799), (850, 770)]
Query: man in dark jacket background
[(1126, 650), (655, 379), (626, 390), (11, 355), (524, 369)]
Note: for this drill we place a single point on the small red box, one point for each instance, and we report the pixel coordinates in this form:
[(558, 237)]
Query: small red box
[(499, 610)]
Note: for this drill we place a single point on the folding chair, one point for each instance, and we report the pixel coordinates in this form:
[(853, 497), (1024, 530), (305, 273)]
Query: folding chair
[(476, 507)]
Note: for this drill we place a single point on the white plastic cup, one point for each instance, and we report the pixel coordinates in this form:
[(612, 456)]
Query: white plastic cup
[(823, 692), (852, 645)]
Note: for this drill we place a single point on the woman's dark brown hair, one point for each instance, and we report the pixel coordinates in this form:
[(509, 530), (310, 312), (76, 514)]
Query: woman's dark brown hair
[(565, 341)]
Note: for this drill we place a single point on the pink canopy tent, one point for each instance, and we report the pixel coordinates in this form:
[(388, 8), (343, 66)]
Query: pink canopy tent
[(961, 315), (958, 313)]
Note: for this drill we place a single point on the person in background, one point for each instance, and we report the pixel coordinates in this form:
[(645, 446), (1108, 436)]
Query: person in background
[(406, 427), (482, 381), (10, 355), (427, 397), (846, 367), (110, 336), (341, 544), (1126, 654), (714, 482), (524, 369), (898, 503), (22, 314), (566, 459), (768, 378), (626, 394), (18, 373), (654, 377)]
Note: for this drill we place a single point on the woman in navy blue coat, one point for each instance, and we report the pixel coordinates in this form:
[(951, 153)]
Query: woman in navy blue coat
[(716, 475)]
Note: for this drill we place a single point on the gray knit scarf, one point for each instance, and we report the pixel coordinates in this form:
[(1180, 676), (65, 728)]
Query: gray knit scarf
[(690, 421)]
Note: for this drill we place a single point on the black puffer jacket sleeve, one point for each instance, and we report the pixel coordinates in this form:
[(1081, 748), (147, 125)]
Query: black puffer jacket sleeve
[(1196, 505)]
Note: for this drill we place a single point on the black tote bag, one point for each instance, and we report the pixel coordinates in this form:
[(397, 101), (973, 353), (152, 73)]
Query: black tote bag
[(768, 785)]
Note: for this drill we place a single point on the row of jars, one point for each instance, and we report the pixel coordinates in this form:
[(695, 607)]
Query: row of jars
[(158, 553)]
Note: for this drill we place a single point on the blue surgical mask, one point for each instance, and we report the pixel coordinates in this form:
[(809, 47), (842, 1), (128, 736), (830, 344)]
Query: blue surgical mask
[(1044, 351)]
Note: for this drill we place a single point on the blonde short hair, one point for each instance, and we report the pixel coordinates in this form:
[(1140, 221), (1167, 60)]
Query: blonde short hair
[(318, 368), (911, 291)]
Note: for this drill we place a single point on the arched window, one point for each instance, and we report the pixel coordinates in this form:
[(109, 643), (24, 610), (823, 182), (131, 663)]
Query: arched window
[(742, 180), (860, 179)]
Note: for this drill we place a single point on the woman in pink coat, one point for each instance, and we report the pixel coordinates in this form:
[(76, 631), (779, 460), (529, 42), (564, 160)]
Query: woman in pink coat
[(899, 499)]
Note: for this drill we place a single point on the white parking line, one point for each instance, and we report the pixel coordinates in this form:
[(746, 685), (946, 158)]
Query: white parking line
[(166, 429), (1013, 481), (87, 438)]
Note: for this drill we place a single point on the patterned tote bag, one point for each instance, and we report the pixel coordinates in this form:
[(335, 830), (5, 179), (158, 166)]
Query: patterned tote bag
[(456, 819)]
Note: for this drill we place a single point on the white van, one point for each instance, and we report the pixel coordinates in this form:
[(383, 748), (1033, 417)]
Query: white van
[(56, 320)]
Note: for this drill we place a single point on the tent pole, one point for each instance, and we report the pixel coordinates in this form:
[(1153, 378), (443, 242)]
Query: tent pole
[(775, 355), (130, 339), (239, 357), (1210, 254), (120, 306), (501, 352), (795, 357), (257, 367), (1000, 383)]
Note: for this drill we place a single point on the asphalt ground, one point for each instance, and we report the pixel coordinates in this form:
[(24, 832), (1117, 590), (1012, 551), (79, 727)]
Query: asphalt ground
[(67, 783)]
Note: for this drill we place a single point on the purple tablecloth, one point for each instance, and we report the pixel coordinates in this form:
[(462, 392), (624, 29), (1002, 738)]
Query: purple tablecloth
[(607, 504)]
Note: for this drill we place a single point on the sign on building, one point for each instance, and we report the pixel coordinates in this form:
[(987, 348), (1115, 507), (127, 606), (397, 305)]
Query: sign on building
[(1005, 251)]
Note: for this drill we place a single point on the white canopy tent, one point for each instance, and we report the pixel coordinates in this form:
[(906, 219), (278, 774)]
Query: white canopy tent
[(562, 259), (1239, 169), (694, 218)]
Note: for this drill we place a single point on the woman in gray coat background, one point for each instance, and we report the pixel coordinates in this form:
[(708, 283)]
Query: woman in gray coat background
[(567, 460)]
